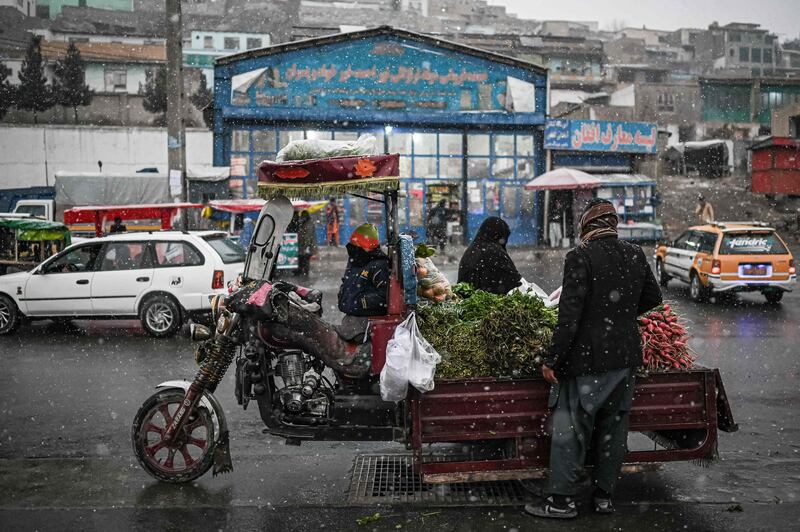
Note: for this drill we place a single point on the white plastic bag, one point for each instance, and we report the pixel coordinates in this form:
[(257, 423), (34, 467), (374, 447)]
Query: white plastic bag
[(301, 150), (554, 298), (530, 289), (423, 361), (409, 359), (394, 375)]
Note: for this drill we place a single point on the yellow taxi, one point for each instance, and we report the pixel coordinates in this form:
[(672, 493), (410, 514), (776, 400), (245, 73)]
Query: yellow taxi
[(727, 257)]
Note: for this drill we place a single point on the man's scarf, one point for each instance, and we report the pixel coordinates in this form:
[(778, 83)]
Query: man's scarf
[(598, 222)]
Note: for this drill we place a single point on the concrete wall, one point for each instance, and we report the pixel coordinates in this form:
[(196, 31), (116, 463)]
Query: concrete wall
[(782, 121), (106, 109), (679, 103), (30, 156)]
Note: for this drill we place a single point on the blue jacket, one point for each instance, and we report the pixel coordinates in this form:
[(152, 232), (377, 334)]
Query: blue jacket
[(365, 283)]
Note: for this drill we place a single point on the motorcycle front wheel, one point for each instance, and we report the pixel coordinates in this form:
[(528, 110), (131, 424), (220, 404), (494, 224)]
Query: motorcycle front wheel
[(189, 455)]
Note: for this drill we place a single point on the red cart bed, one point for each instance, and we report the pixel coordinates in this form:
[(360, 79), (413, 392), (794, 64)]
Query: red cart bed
[(516, 410)]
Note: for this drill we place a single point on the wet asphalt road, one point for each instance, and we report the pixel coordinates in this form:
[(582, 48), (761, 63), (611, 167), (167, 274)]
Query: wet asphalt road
[(69, 396)]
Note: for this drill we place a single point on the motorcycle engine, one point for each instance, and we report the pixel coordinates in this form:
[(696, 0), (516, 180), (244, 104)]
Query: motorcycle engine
[(302, 395)]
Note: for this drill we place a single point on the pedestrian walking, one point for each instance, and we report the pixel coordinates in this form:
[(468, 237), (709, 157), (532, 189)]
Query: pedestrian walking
[(596, 346), (306, 243), (556, 220), (332, 223), (704, 210), (437, 225)]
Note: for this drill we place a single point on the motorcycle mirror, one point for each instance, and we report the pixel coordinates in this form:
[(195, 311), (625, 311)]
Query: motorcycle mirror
[(198, 333)]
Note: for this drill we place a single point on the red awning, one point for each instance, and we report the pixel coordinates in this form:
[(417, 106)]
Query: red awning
[(93, 213)]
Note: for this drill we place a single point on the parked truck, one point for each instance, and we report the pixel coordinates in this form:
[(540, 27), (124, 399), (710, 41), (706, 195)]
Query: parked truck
[(38, 202), (76, 189)]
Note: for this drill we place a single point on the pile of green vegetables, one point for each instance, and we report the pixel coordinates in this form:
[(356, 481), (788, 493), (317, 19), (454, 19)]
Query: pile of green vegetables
[(487, 335)]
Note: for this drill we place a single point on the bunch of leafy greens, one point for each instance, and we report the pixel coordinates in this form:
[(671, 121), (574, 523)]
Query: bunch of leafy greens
[(487, 335)]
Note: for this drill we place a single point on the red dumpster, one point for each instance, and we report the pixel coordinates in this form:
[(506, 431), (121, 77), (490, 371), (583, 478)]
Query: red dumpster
[(776, 166)]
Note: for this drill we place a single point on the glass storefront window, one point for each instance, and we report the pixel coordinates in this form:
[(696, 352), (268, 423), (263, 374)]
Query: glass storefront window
[(450, 167), (492, 192), (504, 145), (511, 197), (475, 197), (348, 135), (503, 168), (524, 145), (285, 137), (425, 167), (477, 167), (405, 165), (264, 140), (318, 135), (378, 139), (524, 168), (424, 143), (400, 143), (416, 199), (449, 144), (240, 140), (478, 145)]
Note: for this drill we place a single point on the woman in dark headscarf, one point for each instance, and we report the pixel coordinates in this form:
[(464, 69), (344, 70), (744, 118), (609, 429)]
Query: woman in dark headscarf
[(486, 264)]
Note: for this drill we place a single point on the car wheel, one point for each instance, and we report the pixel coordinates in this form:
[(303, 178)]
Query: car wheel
[(160, 316), (663, 278), (697, 291), (9, 315), (773, 298)]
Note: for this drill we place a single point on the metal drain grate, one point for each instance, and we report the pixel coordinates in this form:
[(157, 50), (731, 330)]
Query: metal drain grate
[(391, 478)]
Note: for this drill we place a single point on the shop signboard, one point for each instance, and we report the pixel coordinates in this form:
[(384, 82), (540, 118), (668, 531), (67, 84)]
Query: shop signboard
[(600, 136), (386, 75)]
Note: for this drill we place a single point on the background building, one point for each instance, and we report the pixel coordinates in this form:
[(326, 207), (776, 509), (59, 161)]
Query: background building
[(466, 123)]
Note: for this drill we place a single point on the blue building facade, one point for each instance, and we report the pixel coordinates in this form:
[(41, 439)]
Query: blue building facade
[(468, 124)]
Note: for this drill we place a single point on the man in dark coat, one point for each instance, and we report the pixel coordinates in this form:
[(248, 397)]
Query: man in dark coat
[(437, 225), (306, 242), (486, 264), (366, 280), (595, 348), (117, 226)]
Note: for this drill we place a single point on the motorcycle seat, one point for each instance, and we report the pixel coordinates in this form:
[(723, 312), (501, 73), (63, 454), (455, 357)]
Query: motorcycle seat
[(353, 329)]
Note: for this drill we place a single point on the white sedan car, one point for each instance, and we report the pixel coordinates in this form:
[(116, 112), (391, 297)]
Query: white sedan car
[(162, 278)]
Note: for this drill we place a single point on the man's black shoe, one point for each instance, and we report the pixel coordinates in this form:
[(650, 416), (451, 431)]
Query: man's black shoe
[(552, 511)]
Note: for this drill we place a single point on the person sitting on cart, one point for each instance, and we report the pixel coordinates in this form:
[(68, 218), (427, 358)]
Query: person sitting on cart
[(486, 264), (364, 290), (595, 347), (117, 226)]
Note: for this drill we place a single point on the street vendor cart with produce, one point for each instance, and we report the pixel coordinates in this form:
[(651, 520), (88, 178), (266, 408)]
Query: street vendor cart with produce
[(26, 241), (314, 381)]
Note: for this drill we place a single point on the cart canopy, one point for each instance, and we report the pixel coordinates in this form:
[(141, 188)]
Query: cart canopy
[(321, 178), (32, 230), (255, 204)]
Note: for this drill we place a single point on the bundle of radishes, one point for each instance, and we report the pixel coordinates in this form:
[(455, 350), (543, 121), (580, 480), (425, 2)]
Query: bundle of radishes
[(664, 340)]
